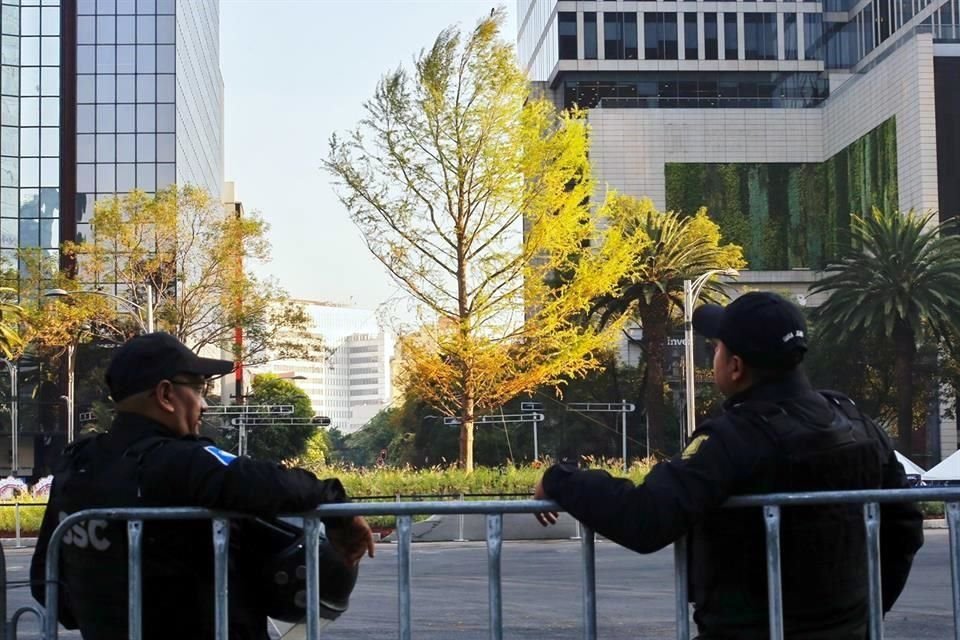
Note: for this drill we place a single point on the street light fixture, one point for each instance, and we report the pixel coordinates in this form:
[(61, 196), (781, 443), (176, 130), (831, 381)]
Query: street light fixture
[(691, 290), (146, 309)]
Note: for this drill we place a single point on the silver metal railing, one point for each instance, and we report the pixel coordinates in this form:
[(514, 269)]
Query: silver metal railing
[(494, 511)]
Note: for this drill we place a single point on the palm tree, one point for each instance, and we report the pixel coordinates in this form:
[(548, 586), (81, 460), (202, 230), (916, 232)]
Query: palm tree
[(900, 276), (11, 317), (678, 248)]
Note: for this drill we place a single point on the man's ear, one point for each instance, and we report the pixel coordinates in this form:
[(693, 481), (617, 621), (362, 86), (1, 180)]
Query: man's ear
[(162, 395), (738, 369)]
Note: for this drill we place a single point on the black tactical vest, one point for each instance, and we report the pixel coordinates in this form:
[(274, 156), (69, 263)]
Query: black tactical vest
[(94, 553), (824, 574)]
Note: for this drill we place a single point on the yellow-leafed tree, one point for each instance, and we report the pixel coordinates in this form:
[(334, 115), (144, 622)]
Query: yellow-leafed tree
[(474, 194)]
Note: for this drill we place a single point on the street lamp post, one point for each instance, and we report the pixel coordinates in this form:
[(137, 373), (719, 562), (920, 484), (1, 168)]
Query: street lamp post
[(691, 290)]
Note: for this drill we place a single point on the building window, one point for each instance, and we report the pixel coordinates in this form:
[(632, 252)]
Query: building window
[(620, 36), (590, 35), (883, 18), (760, 36), (813, 36), (660, 31), (730, 44), (841, 45), (631, 49), (790, 51), (710, 40), (690, 37), (567, 30)]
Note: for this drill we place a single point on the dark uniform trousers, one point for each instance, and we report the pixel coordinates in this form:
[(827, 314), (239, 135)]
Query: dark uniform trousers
[(138, 463), (776, 437)]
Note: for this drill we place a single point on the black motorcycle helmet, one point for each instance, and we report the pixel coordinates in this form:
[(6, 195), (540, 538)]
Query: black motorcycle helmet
[(282, 571)]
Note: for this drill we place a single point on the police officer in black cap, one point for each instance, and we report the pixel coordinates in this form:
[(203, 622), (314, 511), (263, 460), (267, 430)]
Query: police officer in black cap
[(153, 456), (776, 434)]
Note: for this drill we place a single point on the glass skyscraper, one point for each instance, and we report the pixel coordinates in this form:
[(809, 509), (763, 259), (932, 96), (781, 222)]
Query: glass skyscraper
[(99, 97)]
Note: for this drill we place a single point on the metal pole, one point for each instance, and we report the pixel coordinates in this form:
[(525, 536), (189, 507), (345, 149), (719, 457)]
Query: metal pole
[(871, 520), (536, 450), (495, 594), (647, 416), (688, 371), (404, 537), (589, 585), (460, 518), (16, 517), (623, 415), (14, 419), (311, 528), (680, 589), (150, 326), (134, 578), (221, 577), (953, 522), (71, 370), (771, 515)]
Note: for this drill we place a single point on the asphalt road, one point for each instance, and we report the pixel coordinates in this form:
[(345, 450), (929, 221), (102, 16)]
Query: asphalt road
[(541, 591)]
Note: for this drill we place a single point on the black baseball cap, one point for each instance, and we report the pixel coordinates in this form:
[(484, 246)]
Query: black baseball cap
[(763, 328), (142, 362)]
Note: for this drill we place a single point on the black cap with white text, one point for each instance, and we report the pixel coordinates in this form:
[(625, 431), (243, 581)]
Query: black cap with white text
[(761, 327)]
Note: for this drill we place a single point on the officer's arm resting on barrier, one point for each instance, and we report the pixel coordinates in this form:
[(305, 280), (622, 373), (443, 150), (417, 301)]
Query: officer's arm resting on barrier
[(352, 539)]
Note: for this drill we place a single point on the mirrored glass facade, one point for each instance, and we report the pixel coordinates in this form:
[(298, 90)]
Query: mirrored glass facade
[(97, 97), (149, 102), (29, 127)]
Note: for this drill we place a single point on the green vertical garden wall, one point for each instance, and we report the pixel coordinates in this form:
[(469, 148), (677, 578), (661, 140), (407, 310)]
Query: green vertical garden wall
[(791, 215)]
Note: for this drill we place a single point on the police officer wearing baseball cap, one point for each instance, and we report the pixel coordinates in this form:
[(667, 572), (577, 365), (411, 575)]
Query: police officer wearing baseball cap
[(776, 434), (153, 456)]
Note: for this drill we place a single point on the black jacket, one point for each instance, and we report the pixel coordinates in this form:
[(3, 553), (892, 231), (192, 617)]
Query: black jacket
[(140, 463), (780, 436)]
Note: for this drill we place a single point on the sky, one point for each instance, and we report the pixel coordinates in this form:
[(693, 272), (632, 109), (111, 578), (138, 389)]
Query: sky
[(294, 72)]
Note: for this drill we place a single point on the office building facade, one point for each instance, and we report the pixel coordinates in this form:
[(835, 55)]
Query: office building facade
[(97, 98), (782, 118), (353, 382)]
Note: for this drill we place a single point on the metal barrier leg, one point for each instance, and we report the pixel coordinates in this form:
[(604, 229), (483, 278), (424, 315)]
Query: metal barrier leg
[(871, 522), (16, 517), (771, 517), (494, 548), (589, 585), (579, 534), (404, 536), (221, 547), (460, 518), (953, 522), (3, 596), (10, 628), (135, 579), (683, 600)]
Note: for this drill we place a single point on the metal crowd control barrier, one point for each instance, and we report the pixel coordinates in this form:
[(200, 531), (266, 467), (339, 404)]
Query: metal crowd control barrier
[(495, 510)]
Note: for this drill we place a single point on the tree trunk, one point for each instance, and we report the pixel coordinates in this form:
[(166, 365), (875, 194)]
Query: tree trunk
[(905, 348), (655, 318), (466, 434)]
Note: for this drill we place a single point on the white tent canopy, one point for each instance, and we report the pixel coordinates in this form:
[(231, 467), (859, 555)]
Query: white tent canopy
[(910, 467), (948, 470)]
